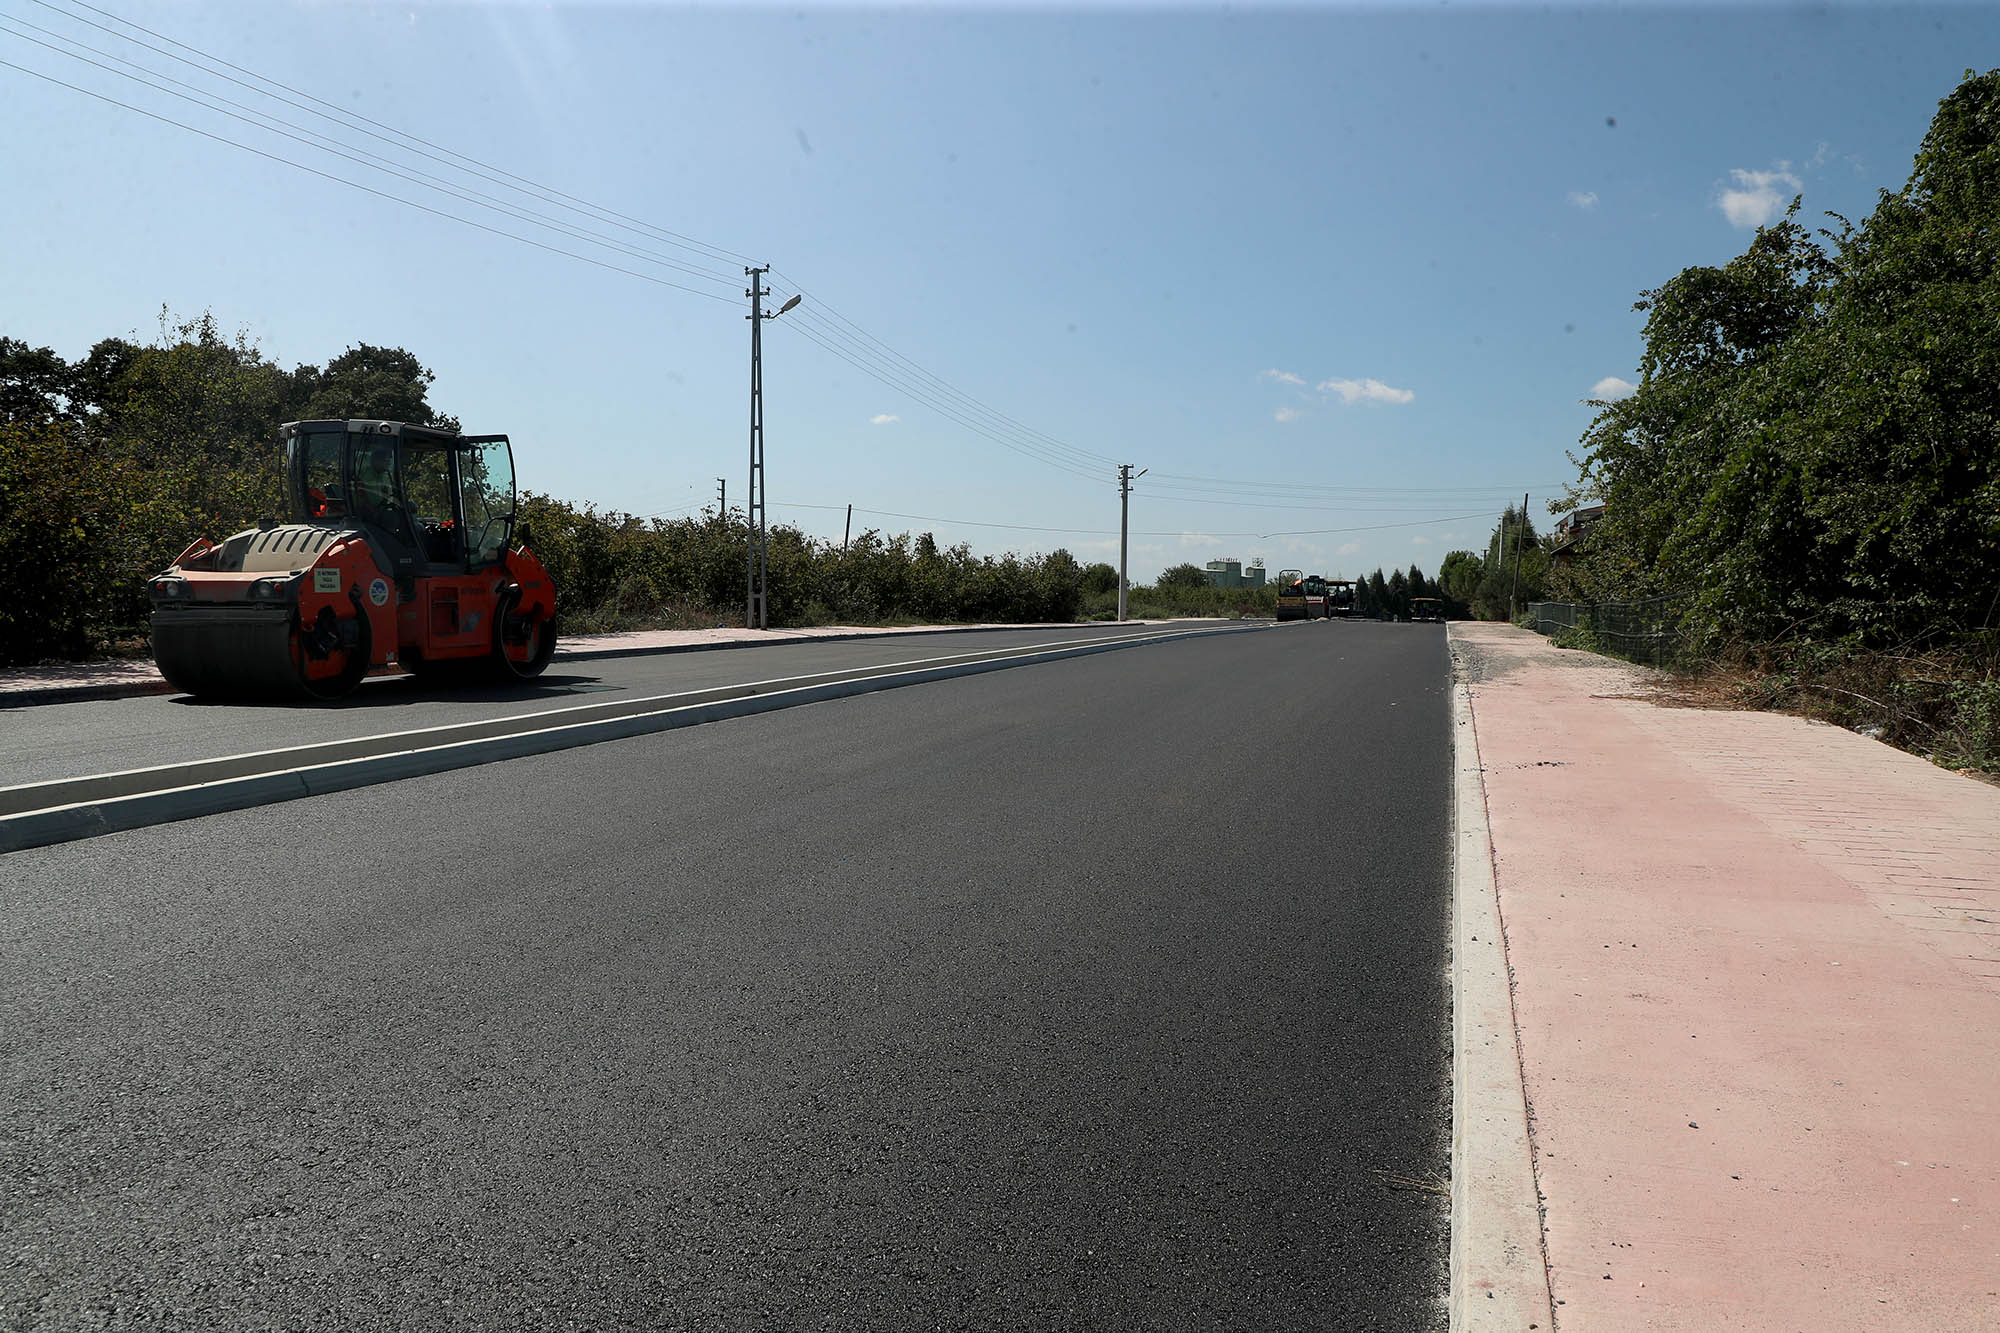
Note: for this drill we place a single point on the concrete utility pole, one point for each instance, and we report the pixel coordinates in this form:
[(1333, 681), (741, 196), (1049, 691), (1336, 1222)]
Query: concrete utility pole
[(756, 577), (722, 497), (1520, 535), (848, 529), (1126, 476)]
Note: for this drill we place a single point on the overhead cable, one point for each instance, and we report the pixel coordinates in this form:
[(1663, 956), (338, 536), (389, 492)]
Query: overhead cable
[(312, 139), (369, 189), (355, 121)]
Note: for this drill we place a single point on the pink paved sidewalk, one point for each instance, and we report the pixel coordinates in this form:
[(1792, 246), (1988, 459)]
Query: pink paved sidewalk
[(1757, 985), (85, 680)]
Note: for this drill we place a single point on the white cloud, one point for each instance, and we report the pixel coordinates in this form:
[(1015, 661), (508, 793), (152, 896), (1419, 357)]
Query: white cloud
[(1756, 199), (884, 419), (1199, 539), (1584, 199), (1374, 391), (1287, 414), (1282, 377), (1420, 541), (1347, 548), (1611, 387)]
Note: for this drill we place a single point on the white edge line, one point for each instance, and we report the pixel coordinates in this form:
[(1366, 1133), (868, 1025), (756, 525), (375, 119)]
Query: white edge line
[(91, 818), (596, 705)]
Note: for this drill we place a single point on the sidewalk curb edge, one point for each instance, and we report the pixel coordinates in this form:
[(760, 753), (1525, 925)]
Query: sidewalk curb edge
[(1499, 1267)]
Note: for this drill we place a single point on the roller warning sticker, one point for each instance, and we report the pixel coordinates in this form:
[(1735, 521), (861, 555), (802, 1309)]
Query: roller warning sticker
[(378, 592), (326, 580)]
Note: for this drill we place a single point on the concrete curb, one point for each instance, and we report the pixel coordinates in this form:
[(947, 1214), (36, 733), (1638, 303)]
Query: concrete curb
[(79, 694), (1499, 1267), (67, 823), (86, 693)]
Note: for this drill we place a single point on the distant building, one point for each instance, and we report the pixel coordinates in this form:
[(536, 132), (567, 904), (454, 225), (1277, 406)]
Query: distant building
[(1232, 574), (1571, 531)]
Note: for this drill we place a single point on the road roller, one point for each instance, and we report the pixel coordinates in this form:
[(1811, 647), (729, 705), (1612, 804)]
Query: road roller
[(398, 548)]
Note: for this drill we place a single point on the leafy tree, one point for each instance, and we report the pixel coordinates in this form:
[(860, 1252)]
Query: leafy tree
[(1516, 567), (1814, 448), (1183, 576), (368, 382), (1378, 595), (1398, 588), (34, 383), (1458, 580), (1099, 579), (73, 547)]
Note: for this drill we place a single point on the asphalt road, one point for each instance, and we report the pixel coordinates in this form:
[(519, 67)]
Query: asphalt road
[(66, 740), (1107, 994)]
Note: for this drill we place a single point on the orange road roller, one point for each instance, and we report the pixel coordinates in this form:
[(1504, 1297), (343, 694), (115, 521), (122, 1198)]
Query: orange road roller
[(398, 548)]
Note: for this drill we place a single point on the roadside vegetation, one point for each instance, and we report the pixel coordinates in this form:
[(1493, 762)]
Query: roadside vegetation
[(110, 465), (1810, 464)]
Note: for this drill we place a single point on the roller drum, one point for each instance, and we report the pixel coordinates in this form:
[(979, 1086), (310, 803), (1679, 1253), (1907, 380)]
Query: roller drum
[(246, 653)]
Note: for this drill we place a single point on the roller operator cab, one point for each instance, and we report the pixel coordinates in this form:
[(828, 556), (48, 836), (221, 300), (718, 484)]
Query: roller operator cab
[(398, 548)]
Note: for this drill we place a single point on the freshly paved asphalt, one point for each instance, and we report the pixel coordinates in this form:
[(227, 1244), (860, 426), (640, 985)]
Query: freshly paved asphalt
[(1105, 994), (66, 740)]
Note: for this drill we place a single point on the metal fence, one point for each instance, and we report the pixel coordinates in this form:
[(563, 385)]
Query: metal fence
[(1649, 630)]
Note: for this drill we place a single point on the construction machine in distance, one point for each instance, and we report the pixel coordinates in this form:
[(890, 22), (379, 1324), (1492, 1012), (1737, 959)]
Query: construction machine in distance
[(397, 549)]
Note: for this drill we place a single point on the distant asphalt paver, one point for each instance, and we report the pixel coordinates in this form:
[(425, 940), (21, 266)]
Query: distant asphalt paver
[(1105, 994)]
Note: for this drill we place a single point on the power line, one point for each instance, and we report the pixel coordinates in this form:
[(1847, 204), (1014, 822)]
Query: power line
[(1110, 532), (368, 189), (1364, 506), (311, 139), (877, 355), (883, 365), (1278, 484), (811, 335), (834, 333), (354, 121), (819, 304)]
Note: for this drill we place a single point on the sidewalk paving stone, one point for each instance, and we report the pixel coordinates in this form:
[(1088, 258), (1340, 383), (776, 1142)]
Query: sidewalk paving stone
[(1759, 1013)]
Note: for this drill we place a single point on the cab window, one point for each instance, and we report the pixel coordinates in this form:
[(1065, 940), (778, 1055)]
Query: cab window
[(427, 483), (313, 468), (486, 488)]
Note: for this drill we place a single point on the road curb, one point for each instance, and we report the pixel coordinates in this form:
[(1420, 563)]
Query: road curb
[(36, 828), (1499, 1267)]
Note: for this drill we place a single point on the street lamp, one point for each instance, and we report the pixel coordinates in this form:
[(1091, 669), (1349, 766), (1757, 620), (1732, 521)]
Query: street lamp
[(756, 578)]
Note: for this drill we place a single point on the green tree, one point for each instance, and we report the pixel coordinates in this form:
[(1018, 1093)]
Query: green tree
[(1183, 576), (34, 383), (368, 382), (1458, 581), (74, 547), (1099, 579), (1516, 567), (1812, 451)]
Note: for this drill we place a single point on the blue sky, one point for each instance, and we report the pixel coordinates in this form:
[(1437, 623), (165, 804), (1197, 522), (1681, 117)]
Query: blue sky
[(1340, 278)]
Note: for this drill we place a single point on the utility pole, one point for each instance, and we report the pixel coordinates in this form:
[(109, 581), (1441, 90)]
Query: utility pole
[(1520, 536), (1125, 479), (756, 578), (722, 498), (848, 529), (754, 571)]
